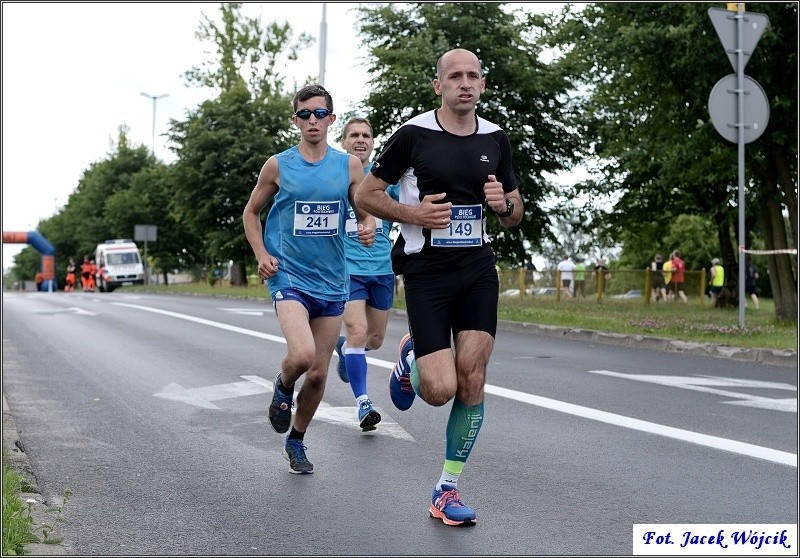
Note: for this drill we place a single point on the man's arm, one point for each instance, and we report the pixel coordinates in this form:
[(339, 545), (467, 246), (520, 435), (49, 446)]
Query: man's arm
[(371, 197), (366, 222), (265, 189)]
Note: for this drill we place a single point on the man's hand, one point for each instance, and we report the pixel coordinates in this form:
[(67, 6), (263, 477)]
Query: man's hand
[(495, 197), (366, 231), (267, 266), (434, 215)]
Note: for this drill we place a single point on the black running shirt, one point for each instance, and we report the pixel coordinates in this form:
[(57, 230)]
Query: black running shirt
[(425, 159)]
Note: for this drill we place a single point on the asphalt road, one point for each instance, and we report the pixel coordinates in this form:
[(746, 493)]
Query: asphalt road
[(152, 410)]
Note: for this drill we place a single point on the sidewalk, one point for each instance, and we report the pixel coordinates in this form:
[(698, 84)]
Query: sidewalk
[(42, 513)]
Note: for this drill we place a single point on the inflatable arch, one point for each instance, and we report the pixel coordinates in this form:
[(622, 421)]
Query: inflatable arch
[(48, 266)]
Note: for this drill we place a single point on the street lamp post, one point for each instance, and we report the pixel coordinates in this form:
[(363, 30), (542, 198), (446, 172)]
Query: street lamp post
[(155, 98)]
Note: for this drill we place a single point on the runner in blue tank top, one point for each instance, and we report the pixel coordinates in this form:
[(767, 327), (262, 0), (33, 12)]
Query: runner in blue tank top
[(453, 166), (371, 286), (301, 258)]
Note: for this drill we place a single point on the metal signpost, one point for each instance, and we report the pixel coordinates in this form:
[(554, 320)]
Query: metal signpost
[(145, 233), (736, 97)]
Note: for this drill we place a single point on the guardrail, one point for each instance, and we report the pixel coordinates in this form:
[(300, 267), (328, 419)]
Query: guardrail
[(617, 285)]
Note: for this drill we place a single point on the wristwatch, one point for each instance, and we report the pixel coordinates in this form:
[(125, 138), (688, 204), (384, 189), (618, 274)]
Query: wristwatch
[(509, 209)]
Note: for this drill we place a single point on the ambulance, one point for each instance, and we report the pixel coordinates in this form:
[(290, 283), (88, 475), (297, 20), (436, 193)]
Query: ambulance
[(118, 263)]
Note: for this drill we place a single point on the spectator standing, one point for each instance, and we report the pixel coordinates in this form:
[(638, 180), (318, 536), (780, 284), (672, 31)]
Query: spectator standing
[(717, 280), (657, 276), (87, 275), (39, 280), (530, 273), (69, 284), (751, 276), (667, 268), (566, 267), (601, 274), (678, 269), (580, 278)]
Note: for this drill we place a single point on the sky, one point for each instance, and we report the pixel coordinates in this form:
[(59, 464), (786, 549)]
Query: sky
[(73, 73)]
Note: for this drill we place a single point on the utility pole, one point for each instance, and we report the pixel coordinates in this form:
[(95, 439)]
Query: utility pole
[(323, 44), (155, 99)]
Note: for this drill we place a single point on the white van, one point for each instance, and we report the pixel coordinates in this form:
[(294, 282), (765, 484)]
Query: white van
[(118, 263)]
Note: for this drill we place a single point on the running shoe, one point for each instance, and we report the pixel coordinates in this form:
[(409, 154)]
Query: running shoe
[(295, 452), (340, 366), (280, 410), (367, 416), (400, 380), (446, 505)]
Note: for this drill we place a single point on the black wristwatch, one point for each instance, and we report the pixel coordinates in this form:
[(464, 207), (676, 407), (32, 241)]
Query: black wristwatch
[(509, 209)]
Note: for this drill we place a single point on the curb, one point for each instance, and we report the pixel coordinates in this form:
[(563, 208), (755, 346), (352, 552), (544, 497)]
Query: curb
[(40, 511), (767, 356)]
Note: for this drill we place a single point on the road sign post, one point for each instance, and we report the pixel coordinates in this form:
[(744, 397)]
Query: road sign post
[(739, 34), (145, 233)]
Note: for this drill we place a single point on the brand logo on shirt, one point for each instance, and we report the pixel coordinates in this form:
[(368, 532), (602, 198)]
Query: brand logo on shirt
[(484, 159)]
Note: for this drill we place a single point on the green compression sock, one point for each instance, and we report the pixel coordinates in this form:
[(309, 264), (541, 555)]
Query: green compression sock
[(463, 427)]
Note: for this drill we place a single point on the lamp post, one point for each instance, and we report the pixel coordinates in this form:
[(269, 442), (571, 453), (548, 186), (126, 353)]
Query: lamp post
[(155, 98), (323, 44)]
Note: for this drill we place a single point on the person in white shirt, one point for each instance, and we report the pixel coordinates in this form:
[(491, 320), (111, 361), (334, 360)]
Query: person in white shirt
[(566, 267)]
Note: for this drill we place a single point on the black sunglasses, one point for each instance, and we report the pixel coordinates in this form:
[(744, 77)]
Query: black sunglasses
[(305, 114)]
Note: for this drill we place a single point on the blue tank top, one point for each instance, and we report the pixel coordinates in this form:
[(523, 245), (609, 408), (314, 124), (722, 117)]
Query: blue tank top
[(305, 225), (377, 259)]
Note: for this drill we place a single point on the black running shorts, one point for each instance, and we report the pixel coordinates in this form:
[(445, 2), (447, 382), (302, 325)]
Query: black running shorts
[(440, 305)]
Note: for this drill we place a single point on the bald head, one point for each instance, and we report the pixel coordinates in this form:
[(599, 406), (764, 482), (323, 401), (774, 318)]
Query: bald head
[(457, 55)]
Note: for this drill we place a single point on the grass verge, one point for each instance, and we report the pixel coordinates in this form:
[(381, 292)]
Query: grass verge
[(674, 320), (17, 518)]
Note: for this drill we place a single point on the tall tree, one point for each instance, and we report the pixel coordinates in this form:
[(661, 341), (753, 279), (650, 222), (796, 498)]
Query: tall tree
[(648, 69), (529, 101), (222, 145)]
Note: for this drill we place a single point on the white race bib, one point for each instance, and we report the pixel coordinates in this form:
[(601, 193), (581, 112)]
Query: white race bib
[(465, 228), (351, 224), (316, 218)]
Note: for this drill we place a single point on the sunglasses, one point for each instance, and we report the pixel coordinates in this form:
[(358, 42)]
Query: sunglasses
[(305, 114)]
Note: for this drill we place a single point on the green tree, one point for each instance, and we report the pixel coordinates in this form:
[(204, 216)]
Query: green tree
[(100, 207), (528, 100), (222, 145), (648, 69)]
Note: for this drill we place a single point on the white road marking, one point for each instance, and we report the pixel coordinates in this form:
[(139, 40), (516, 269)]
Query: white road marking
[(255, 385), (751, 450), (247, 311), (71, 310), (203, 321), (707, 384)]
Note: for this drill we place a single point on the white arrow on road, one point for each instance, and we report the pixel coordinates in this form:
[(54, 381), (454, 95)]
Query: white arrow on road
[(70, 310), (254, 385), (708, 384)]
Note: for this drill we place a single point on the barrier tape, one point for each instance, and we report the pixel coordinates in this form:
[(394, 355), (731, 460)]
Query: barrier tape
[(768, 252)]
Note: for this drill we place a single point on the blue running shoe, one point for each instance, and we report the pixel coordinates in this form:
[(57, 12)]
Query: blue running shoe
[(367, 416), (280, 410), (400, 381), (341, 367), (295, 452), (446, 505)]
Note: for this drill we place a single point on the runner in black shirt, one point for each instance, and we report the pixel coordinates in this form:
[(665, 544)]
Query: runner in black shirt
[(452, 166)]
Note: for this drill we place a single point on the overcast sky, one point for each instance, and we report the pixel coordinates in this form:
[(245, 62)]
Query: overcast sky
[(73, 73)]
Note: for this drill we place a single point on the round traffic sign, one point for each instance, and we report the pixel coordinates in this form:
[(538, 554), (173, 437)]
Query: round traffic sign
[(723, 106)]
